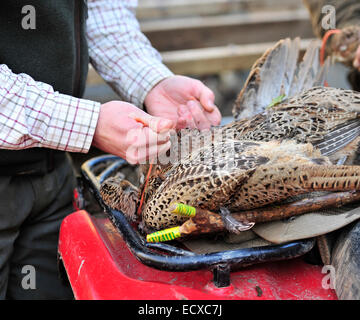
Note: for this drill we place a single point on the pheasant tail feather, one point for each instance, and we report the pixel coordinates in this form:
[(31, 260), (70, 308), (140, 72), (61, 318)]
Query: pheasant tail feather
[(279, 73)]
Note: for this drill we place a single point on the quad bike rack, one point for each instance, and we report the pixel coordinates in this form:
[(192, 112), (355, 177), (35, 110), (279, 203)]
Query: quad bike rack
[(168, 257)]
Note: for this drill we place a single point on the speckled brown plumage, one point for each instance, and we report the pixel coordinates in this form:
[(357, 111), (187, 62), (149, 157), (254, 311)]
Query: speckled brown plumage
[(110, 190), (241, 175), (329, 118), (277, 152)]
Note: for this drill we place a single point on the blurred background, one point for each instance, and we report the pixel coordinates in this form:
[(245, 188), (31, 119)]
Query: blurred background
[(216, 41)]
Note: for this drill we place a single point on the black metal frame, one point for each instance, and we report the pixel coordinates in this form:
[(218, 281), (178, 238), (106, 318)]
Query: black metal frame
[(167, 257)]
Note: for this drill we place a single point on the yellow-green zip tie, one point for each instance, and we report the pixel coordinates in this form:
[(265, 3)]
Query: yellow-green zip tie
[(164, 235), (183, 210)]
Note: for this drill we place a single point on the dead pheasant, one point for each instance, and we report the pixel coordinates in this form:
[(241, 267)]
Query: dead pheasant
[(278, 74), (251, 165), (244, 175), (306, 111), (329, 118)]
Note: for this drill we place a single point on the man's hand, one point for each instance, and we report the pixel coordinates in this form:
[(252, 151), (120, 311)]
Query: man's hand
[(345, 46), (128, 132), (356, 62), (188, 102)]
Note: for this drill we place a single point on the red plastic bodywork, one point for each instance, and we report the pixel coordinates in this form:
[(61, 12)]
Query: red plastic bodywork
[(100, 266)]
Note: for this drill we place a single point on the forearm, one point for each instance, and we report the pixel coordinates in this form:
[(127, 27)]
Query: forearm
[(347, 13), (120, 53), (32, 114)]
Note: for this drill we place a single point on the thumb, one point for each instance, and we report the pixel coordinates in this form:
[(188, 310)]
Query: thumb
[(206, 97)]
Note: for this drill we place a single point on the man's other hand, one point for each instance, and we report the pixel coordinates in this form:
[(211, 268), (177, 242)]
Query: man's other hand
[(186, 101), (356, 63)]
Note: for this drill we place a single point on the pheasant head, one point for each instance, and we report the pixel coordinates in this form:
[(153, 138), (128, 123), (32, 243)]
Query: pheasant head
[(345, 44)]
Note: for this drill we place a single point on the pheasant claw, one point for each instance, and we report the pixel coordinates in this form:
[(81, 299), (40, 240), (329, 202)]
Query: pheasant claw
[(231, 224)]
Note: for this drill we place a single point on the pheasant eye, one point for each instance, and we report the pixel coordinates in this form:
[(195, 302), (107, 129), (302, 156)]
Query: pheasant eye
[(343, 48)]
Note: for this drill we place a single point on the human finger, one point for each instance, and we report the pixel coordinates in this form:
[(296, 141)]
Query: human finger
[(356, 63), (142, 137), (184, 112), (206, 96), (198, 114)]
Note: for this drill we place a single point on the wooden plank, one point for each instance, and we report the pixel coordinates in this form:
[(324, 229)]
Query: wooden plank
[(201, 32), (208, 60), (228, 20), (150, 9), (215, 60)]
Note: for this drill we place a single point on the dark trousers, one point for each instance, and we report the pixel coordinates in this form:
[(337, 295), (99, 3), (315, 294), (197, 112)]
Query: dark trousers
[(31, 211)]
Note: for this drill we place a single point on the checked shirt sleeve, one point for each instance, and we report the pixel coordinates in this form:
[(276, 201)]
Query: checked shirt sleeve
[(32, 114), (120, 53)]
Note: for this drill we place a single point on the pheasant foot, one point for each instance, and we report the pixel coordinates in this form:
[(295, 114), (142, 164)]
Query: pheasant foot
[(231, 224)]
